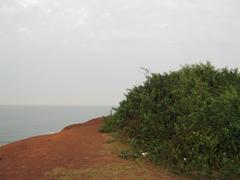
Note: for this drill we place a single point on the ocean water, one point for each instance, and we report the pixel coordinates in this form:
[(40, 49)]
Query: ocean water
[(19, 122)]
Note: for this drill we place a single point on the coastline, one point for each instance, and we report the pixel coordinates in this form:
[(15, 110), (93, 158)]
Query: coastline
[(69, 147), (37, 120), (53, 133)]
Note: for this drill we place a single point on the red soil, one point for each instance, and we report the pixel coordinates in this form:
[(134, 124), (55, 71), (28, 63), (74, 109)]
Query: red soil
[(76, 146)]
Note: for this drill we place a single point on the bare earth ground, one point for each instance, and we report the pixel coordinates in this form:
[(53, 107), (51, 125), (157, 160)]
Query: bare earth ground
[(77, 152)]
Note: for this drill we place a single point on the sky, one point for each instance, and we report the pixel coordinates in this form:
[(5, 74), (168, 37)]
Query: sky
[(88, 52)]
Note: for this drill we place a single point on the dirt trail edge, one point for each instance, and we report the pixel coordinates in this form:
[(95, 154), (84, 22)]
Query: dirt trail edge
[(78, 146)]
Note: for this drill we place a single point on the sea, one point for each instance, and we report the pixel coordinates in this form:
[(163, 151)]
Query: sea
[(20, 122)]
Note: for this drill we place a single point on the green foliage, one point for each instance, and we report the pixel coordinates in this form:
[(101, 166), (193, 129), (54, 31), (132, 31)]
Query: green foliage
[(108, 125), (232, 171), (189, 118), (128, 154)]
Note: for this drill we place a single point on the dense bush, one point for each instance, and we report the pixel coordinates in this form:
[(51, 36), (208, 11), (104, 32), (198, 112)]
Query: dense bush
[(189, 119)]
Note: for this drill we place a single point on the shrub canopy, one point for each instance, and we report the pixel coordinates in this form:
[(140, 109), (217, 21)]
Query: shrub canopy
[(189, 118)]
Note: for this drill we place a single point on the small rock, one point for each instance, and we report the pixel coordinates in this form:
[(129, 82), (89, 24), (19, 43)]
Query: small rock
[(144, 154)]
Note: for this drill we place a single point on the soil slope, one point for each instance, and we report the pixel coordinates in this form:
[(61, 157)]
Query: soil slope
[(78, 146)]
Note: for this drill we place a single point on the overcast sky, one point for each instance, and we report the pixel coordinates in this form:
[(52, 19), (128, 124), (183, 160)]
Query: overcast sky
[(87, 52)]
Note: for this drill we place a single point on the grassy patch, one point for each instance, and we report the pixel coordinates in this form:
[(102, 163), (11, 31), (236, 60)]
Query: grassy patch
[(113, 171), (128, 154)]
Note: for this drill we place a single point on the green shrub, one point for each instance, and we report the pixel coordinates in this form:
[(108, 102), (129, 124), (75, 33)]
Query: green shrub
[(108, 124), (231, 171), (128, 154), (189, 118)]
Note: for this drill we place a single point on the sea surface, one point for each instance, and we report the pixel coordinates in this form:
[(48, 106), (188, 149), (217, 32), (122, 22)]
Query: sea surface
[(19, 122)]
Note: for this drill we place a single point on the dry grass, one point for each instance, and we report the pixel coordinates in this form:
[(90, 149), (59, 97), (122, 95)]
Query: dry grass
[(113, 171), (139, 169)]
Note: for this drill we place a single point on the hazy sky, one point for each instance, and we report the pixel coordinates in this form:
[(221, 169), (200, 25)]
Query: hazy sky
[(88, 52)]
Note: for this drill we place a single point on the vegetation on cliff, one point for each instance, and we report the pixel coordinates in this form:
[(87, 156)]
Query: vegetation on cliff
[(188, 119)]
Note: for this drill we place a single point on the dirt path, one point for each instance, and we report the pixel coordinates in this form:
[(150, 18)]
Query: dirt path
[(78, 146)]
